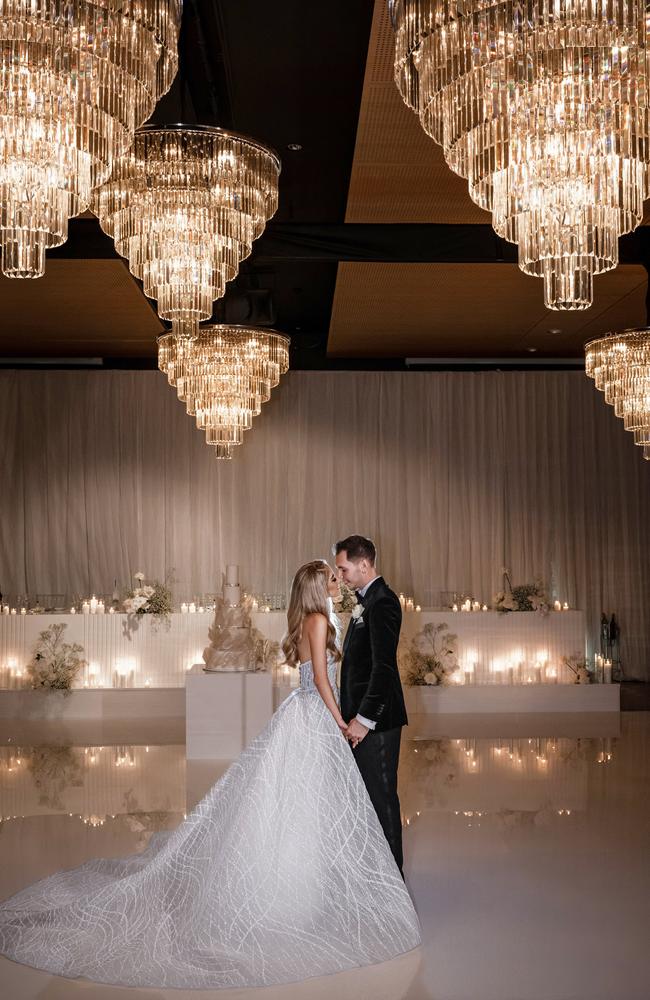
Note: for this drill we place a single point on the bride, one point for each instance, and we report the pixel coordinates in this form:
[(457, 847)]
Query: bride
[(280, 873)]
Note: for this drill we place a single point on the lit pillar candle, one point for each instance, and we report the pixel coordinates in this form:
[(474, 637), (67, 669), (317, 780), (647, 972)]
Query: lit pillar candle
[(111, 610), (93, 605), (565, 606), (5, 610), (23, 611), (100, 608), (409, 604), (255, 605), (73, 611), (476, 606), (184, 608), (402, 601), (192, 608), (13, 611), (484, 608), (85, 607), (557, 606), (607, 672), (455, 607), (418, 608)]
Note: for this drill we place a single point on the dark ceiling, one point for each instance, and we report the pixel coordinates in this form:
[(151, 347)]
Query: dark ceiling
[(293, 73)]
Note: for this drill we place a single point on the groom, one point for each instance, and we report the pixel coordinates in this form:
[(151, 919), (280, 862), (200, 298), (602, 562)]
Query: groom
[(371, 691)]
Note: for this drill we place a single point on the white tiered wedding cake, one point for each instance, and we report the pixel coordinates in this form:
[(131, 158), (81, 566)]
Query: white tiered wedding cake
[(232, 645)]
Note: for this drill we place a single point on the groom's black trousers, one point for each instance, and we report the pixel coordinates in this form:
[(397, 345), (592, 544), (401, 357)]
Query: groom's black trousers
[(377, 757)]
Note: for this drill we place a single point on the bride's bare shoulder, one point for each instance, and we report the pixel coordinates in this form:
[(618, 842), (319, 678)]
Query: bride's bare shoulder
[(314, 622)]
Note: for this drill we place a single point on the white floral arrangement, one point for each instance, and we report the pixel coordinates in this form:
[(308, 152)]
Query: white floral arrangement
[(577, 664), (347, 601), (149, 599), (523, 597), (55, 663), (432, 657)]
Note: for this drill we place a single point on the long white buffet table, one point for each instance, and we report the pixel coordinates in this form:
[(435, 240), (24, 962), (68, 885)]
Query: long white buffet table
[(143, 672), (153, 656)]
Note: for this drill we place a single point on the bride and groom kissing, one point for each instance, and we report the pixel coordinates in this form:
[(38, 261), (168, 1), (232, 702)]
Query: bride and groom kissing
[(291, 865)]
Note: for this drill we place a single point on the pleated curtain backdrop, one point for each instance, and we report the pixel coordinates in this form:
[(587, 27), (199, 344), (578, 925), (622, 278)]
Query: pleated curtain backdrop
[(454, 474)]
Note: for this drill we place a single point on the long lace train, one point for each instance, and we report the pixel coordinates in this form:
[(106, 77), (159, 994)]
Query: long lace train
[(280, 873)]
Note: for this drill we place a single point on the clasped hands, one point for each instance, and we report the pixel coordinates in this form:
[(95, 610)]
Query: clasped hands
[(354, 732)]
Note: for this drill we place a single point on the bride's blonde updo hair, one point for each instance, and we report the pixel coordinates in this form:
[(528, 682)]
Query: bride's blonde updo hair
[(309, 594)]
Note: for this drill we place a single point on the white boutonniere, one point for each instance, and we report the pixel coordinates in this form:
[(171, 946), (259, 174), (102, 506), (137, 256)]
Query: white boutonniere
[(357, 613)]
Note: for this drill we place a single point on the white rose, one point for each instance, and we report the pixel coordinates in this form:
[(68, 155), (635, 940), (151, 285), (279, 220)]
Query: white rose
[(138, 576), (357, 612)]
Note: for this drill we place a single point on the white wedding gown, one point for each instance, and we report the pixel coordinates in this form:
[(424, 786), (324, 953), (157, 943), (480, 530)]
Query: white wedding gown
[(280, 873)]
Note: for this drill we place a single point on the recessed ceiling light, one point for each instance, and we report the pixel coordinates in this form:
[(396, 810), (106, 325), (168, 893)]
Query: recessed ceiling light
[(295, 147), (531, 350), (554, 329)]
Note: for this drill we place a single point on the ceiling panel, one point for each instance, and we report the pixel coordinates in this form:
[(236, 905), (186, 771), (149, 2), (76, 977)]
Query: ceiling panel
[(469, 310), (398, 173), (84, 308)]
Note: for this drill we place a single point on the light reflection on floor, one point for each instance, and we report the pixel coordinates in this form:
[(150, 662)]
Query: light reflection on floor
[(527, 856)]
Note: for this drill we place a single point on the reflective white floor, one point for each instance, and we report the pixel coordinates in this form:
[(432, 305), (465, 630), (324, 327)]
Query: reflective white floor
[(527, 853)]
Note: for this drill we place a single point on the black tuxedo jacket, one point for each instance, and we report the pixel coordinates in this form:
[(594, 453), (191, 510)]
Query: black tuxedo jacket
[(370, 681)]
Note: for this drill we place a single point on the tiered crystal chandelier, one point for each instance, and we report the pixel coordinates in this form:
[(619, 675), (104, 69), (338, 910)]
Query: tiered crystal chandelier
[(619, 364), (184, 207), (78, 77), (224, 374), (543, 107)]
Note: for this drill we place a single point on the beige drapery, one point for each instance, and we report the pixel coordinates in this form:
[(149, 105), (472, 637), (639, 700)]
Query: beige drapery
[(454, 474)]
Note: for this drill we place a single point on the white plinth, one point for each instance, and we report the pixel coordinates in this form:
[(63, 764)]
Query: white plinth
[(513, 698), (225, 711)]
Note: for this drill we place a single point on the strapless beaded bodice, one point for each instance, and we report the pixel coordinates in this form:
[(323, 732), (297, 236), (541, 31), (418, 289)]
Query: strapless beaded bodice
[(307, 674)]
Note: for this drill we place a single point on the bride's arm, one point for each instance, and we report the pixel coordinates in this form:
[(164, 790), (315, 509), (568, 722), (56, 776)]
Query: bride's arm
[(316, 631)]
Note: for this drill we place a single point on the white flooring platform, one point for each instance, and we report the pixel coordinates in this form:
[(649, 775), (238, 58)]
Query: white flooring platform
[(97, 704), (522, 698)]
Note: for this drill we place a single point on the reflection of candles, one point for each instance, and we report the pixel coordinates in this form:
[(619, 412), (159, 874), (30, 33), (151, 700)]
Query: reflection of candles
[(267, 609), (551, 675), (511, 674), (255, 605), (538, 673), (498, 673), (469, 670), (557, 606)]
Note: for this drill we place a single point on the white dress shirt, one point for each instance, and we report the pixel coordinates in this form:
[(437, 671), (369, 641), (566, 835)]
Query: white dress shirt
[(368, 723)]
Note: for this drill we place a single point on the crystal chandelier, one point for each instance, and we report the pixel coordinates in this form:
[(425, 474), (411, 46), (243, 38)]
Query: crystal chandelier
[(619, 364), (224, 374), (184, 206), (543, 107), (78, 77)]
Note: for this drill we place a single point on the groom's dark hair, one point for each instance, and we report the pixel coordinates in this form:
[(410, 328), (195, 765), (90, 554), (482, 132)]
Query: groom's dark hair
[(357, 547)]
